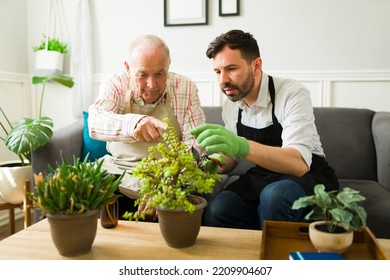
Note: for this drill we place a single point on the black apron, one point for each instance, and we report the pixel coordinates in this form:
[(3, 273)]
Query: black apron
[(252, 183)]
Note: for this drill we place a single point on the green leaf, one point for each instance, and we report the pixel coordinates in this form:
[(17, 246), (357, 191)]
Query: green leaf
[(349, 197), (29, 134), (61, 79)]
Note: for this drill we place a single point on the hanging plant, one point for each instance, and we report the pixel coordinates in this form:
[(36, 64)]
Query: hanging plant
[(51, 44)]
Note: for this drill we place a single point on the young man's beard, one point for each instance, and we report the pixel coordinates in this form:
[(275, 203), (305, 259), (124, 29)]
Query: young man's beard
[(243, 90)]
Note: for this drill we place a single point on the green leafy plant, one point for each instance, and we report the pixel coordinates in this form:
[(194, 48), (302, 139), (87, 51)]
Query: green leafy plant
[(169, 174), (74, 188), (335, 208), (28, 134), (53, 44)]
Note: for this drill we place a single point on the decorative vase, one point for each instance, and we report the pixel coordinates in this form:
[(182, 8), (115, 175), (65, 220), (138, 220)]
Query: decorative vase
[(73, 235), (13, 178), (179, 228), (329, 241)]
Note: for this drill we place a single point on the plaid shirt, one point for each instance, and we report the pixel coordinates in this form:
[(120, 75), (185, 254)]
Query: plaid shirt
[(108, 122)]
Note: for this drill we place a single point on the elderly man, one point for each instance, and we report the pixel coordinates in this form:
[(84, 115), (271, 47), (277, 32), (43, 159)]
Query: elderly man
[(130, 107)]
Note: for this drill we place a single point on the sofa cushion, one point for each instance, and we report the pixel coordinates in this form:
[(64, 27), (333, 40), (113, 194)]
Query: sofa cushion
[(95, 148), (346, 137), (381, 133), (377, 204)]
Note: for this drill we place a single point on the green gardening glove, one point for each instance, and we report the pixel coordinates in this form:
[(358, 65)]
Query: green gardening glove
[(217, 139)]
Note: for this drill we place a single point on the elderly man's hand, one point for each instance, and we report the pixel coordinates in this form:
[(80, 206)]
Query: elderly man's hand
[(149, 129), (217, 139), (149, 213)]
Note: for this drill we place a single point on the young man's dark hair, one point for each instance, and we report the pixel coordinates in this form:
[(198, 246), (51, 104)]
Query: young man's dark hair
[(235, 39)]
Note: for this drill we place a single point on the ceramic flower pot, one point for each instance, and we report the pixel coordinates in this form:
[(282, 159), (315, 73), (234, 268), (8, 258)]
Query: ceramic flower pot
[(48, 63), (179, 228), (13, 177), (73, 235), (329, 242)]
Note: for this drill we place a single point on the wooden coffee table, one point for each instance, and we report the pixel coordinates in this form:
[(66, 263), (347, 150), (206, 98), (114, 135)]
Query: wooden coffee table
[(141, 241), (138, 241)]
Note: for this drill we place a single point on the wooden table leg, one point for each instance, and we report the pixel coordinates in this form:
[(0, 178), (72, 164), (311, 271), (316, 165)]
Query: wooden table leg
[(27, 205), (11, 218)]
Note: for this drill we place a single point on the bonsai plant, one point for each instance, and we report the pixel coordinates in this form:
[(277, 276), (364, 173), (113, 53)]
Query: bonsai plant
[(70, 193), (337, 212), (170, 177), (22, 137)]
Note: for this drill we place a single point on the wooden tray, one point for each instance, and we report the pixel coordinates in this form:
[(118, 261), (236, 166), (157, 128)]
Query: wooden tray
[(281, 238)]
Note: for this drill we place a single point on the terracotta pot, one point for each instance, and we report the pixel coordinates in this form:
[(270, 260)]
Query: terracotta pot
[(329, 242), (179, 228), (13, 177), (73, 235)]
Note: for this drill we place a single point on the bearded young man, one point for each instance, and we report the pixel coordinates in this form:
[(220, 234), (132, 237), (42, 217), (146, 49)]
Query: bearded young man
[(269, 121)]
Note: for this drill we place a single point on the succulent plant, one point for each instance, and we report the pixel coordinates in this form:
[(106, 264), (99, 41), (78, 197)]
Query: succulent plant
[(74, 188)]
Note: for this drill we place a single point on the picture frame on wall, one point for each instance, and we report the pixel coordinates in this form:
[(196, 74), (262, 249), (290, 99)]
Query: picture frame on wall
[(229, 8), (184, 13)]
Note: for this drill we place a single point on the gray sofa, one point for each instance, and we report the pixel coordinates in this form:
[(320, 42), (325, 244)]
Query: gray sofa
[(356, 143)]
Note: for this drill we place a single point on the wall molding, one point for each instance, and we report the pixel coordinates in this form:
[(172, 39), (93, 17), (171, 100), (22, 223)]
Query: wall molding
[(327, 87), (14, 77), (367, 75), (323, 86), (22, 81)]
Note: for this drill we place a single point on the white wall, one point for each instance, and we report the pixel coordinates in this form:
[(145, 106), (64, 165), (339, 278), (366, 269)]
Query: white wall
[(13, 30), (338, 49), (14, 88)]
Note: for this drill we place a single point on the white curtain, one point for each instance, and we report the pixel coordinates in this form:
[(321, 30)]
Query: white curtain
[(81, 62)]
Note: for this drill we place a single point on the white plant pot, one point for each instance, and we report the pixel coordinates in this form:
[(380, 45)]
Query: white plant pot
[(48, 63), (330, 242), (12, 181)]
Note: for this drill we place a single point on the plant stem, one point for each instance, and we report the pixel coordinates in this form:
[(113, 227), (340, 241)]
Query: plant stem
[(40, 105), (9, 123)]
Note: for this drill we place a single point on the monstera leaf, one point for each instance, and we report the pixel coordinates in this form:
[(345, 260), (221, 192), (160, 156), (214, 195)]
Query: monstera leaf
[(29, 134)]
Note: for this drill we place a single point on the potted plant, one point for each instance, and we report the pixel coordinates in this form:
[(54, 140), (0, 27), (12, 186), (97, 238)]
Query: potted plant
[(171, 183), (71, 197), (337, 215), (49, 56), (22, 137)]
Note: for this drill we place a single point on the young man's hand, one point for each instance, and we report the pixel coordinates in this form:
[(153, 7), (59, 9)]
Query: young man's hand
[(217, 139)]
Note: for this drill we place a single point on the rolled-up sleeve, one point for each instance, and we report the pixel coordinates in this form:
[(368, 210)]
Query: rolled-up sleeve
[(107, 121)]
